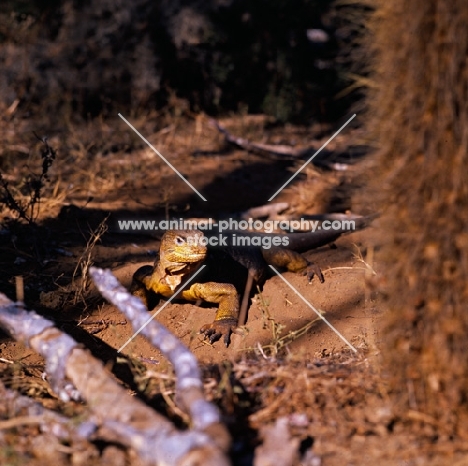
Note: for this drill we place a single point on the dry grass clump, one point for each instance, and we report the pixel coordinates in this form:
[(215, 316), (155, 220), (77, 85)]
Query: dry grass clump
[(418, 115), (340, 401), (312, 389)]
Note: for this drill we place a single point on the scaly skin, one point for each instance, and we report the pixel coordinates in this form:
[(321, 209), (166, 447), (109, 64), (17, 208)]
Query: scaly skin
[(292, 261), (179, 259), (180, 255)]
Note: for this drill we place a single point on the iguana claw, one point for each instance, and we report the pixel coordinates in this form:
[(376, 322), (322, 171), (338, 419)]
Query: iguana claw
[(314, 269), (219, 328)]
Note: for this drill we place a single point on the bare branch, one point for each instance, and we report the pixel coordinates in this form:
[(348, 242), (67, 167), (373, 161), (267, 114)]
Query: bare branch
[(278, 448), (189, 386), (266, 210), (30, 411), (264, 150), (123, 418)]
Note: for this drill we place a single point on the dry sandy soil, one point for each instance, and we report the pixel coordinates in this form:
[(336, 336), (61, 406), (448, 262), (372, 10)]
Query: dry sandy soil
[(336, 401)]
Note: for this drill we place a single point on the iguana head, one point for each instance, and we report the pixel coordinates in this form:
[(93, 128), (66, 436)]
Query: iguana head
[(180, 247)]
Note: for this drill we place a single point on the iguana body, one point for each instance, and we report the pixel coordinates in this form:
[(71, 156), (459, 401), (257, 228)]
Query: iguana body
[(181, 254)]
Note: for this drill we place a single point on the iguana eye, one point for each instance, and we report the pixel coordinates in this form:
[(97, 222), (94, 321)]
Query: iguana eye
[(179, 241)]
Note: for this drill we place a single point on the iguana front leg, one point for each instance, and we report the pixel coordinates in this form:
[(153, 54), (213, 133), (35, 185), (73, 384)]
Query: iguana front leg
[(292, 261), (224, 294), (138, 287)]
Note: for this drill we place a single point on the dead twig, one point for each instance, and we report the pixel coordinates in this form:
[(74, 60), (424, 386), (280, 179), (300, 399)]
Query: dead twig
[(278, 448), (85, 260), (266, 210), (74, 373), (33, 183), (189, 386), (28, 411), (264, 150)]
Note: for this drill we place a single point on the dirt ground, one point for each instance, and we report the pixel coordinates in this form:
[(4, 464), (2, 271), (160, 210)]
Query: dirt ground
[(336, 401)]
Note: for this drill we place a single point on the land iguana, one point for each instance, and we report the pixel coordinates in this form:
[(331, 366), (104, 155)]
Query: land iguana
[(182, 252)]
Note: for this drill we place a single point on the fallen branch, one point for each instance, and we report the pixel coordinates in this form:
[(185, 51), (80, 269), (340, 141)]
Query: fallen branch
[(74, 373), (23, 410), (267, 210), (278, 447), (189, 386), (277, 151), (264, 150)]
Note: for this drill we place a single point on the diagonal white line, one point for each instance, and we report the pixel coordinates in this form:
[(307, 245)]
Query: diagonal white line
[(315, 310), (308, 161), (160, 155), (161, 308)]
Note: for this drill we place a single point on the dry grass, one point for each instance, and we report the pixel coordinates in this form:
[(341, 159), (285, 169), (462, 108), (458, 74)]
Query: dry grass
[(85, 262)]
